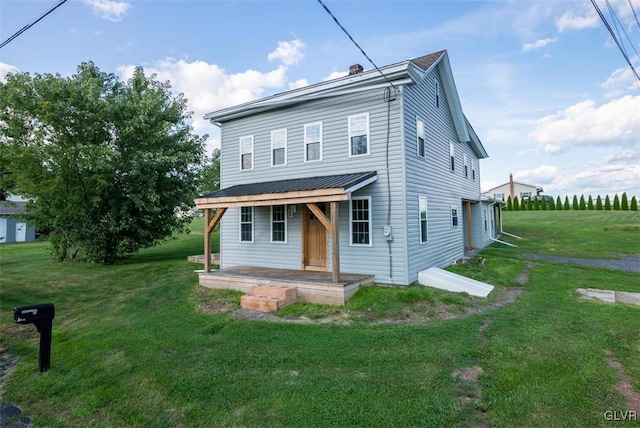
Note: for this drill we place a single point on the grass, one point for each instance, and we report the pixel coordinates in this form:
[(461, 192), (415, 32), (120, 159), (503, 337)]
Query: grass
[(141, 344)]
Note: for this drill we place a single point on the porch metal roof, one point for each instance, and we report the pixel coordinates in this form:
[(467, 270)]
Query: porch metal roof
[(299, 190)]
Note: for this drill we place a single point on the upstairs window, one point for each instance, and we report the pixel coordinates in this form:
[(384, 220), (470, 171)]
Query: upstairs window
[(279, 147), (246, 224), (422, 212), (246, 152), (437, 90), (420, 134), (359, 134), (466, 165), (313, 142), (360, 221), (454, 216), (452, 156), (278, 223), (473, 169)]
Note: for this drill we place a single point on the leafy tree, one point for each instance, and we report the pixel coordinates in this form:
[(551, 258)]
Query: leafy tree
[(616, 203), (590, 203), (566, 203), (598, 203), (558, 203), (607, 203), (509, 204), (624, 204), (634, 204), (574, 204), (107, 164), (552, 204), (211, 174), (583, 205), (516, 204)]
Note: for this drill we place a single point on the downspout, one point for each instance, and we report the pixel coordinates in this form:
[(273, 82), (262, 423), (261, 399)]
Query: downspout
[(388, 97)]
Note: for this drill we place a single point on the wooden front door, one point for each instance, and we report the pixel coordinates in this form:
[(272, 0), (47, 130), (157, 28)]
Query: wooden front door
[(314, 240)]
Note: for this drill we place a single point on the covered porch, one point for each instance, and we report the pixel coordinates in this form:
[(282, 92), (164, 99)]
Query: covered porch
[(319, 278)]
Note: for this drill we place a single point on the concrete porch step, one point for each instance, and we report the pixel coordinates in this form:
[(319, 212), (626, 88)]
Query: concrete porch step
[(269, 297)]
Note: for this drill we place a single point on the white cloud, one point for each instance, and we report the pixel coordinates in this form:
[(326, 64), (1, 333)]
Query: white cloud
[(585, 124), (621, 81), (6, 69), (527, 47), (111, 10), (335, 75), (289, 53), (542, 175), (598, 179), (571, 20), (300, 83)]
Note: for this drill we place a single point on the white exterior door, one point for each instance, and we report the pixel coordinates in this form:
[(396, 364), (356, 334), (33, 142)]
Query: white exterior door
[(21, 232)]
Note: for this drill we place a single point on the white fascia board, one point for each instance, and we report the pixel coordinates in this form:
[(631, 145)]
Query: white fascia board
[(360, 185), (364, 80), (452, 96)]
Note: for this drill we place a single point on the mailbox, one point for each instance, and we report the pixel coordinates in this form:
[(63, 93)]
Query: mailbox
[(42, 316), (32, 314)]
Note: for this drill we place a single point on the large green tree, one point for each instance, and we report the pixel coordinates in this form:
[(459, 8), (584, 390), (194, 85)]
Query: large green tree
[(211, 174), (109, 165)]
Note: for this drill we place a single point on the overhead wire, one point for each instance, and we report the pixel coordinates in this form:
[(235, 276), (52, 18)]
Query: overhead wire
[(615, 39), (634, 13), (26, 27), (617, 23)]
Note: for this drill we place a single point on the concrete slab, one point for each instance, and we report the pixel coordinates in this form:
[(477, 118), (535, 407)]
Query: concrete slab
[(627, 298), (609, 296)]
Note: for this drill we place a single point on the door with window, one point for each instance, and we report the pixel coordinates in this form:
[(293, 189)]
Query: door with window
[(314, 240)]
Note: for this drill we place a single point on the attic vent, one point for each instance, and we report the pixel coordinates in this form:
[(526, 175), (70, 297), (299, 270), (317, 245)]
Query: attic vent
[(355, 69)]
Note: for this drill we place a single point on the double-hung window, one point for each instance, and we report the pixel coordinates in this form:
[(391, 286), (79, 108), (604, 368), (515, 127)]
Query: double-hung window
[(359, 134), (473, 169), (278, 223), (452, 156), (246, 224), (420, 137), (437, 90), (454, 216), (360, 221), (279, 147), (313, 142), (246, 152), (422, 212), (466, 165)]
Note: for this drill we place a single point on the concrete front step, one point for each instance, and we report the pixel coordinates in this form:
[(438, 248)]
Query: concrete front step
[(269, 297)]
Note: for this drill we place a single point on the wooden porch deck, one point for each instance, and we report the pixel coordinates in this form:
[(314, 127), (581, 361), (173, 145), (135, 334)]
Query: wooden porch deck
[(312, 286)]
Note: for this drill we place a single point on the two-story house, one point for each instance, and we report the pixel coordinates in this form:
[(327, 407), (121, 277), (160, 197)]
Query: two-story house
[(375, 173)]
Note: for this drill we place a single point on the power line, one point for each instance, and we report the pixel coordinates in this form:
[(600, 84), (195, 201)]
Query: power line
[(634, 13), (356, 43), (619, 26), (615, 39), (26, 27)]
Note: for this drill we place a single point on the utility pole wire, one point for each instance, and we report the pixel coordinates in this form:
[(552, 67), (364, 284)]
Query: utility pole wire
[(26, 27), (634, 13)]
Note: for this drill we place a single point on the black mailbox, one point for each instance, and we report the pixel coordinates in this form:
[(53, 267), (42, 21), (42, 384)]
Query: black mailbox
[(33, 313), (42, 316)]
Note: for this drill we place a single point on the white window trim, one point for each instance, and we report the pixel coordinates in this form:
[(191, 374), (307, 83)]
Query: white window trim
[(285, 147), (426, 206), (453, 207), (305, 142), (452, 155), (465, 167), (368, 137), (286, 230), (252, 153), (424, 140), (359, 198), (253, 225)]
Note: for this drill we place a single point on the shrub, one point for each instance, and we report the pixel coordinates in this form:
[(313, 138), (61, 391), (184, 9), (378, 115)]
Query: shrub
[(616, 203), (566, 203), (599, 203), (509, 204), (583, 206), (516, 204), (634, 204), (624, 204), (590, 203), (574, 204), (607, 203), (552, 204), (558, 203)]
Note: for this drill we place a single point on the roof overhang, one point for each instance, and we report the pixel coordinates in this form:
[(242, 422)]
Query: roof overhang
[(244, 196)]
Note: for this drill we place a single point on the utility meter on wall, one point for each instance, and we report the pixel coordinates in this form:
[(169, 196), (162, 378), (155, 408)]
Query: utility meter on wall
[(388, 232)]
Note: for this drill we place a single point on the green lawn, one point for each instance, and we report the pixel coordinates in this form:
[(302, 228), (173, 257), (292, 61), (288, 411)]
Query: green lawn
[(133, 347)]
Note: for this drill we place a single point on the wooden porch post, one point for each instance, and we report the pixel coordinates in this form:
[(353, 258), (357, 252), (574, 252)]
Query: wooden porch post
[(207, 240), (469, 225), (335, 243)]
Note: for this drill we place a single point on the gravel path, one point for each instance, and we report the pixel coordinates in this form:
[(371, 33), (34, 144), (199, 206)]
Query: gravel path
[(629, 263)]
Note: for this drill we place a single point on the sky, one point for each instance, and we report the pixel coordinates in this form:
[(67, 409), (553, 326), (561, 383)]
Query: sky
[(543, 83)]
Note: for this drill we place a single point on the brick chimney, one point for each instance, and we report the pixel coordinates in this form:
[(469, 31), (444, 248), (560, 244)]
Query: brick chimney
[(355, 69), (511, 186)]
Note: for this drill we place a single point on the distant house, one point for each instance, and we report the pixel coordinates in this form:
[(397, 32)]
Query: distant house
[(513, 189), (376, 172), (12, 227)]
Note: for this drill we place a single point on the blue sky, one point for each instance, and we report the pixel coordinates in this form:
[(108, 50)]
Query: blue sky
[(542, 82)]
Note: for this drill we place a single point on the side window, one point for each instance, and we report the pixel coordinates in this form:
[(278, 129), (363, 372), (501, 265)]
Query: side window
[(279, 147), (473, 169), (278, 223), (246, 152), (452, 156), (313, 142), (359, 134), (420, 138), (466, 165), (454, 216), (437, 88), (422, 212), (246, 224), (360, 221)]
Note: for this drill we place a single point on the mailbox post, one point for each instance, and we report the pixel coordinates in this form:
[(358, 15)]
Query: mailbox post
[(42, 316)]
